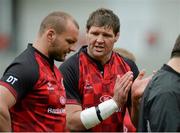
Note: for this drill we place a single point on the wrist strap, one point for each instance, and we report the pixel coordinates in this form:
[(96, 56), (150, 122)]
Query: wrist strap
[(93, 116), (98, 112)]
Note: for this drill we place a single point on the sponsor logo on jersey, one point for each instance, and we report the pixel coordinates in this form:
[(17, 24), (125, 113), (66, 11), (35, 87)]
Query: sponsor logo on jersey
[(11, 79), (56, 111), (87, 85), (62, 100), (50, 86), (104, 98)]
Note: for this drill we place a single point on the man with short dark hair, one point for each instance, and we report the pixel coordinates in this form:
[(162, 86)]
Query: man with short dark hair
[(32, 96), (98, 80), (160, 107)]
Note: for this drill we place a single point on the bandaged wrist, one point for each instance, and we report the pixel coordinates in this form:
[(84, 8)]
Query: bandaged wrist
[(89, 118), (94, 115), (107, 108)]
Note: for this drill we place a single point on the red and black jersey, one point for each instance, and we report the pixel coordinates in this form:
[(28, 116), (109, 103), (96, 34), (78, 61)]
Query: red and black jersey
[(36, 83), (89, 83)]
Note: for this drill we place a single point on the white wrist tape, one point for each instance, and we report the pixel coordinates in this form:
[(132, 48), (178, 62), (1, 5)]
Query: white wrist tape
[(93, 116), (107, 108), (89, 118)]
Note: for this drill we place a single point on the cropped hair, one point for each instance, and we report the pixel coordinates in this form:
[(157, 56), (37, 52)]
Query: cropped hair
[(104, 18), (56, 20), (176, 50)]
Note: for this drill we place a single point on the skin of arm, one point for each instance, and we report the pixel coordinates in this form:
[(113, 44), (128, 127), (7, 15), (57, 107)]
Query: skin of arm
[(137, 91), (73, 117), (7, 100)]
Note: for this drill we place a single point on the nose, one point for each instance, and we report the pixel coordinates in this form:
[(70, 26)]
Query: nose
[(72, 48), (100, 39)]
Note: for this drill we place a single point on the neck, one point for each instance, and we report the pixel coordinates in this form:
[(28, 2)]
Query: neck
[(40, 46), (175, 63)]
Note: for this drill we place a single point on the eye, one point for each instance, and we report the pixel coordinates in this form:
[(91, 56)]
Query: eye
[(95, 33), (107, 35), (69, 41)]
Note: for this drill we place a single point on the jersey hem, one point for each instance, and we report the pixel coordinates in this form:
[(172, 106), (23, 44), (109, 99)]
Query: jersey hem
[(72, 101)]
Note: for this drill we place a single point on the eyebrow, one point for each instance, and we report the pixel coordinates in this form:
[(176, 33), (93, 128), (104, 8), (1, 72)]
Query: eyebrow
[(71, 40)]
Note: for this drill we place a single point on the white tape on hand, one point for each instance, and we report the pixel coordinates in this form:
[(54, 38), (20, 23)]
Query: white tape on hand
[(89, 118), (93, 116)]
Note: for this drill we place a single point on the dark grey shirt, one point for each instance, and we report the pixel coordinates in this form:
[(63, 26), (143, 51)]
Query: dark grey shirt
[(160, 107)]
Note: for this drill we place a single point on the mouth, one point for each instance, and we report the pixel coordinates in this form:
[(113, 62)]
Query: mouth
[(65, 54), (99, 48)]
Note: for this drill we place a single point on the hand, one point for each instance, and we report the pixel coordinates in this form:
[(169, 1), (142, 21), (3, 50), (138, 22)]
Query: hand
[(139, 86), (122, 87)]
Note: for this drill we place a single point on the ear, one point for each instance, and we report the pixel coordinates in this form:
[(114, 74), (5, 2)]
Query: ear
[(51, 35), (117, 36), (87, 30)]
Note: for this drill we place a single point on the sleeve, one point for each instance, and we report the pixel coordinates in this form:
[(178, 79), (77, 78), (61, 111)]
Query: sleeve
[(70, 71), (19, 78), (135, 71), (164, 115), (133, 67)]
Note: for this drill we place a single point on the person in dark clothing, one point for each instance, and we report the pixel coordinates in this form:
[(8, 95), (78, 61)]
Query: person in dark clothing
[(160, 106), (32, 96), (98, 80)]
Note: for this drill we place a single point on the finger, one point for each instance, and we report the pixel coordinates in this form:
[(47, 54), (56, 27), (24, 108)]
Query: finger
[(117, 81), (127, 88), (154, 72), (127, 81), (125, 78), (141, 74), (120, 79)]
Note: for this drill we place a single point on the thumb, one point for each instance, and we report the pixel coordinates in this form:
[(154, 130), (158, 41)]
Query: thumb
[(154, 72), (118, 78), (141, 74)]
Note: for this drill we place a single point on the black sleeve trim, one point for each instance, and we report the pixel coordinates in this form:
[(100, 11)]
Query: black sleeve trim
[(24, 71), (133, 67), (70, 72)]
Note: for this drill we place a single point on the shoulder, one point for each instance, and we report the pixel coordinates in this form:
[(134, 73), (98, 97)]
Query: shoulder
[(71, 63), (164, 82), (21, 73), (26, 63), (131, 64)]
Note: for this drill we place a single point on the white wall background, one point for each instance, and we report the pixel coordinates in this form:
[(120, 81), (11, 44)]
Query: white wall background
[(137, 17)]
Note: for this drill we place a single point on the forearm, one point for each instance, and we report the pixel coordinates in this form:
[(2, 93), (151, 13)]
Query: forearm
[(134, 113), (7, 100), (5, 121), (74, 122), (89, 118)]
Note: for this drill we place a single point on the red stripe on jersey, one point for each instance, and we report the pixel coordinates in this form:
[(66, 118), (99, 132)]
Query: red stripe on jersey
[(71, 101), (10, 88)]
